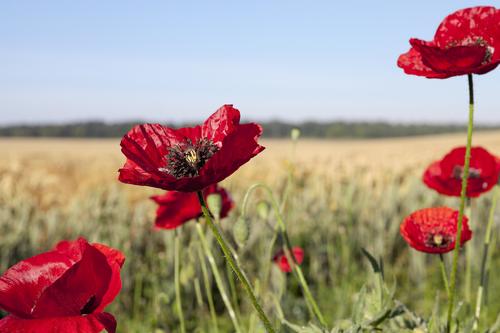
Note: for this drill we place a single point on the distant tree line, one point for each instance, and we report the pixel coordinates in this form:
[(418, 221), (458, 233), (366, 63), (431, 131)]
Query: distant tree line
[(272, 129)]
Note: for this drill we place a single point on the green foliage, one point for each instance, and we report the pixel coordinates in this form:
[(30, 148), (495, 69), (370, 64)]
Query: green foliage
[(363, 275)]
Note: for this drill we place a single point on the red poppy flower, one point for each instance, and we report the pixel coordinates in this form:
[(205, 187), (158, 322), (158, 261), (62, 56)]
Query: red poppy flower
[(433, 230), (177, 208), (445, 176), (466, 42), (281, 260), (189, 159), (63, 290)]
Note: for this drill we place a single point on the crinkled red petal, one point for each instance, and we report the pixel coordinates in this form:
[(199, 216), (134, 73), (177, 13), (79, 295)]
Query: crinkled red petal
[(469, 23), (421, 225), (93, 323), (79, 290)]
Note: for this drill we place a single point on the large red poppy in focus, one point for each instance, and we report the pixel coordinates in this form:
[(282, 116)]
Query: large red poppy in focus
[(192, 158), (466, 42), (177, 208), (433, 230), (445, 175), (63, 290), (281, 260)]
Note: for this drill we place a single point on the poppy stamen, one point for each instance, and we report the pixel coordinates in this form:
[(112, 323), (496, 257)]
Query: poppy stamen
[(458, 172), (438, 241), (186, 159)]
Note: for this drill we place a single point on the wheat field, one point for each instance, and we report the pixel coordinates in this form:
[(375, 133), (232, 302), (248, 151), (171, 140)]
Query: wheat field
[(340, 196)]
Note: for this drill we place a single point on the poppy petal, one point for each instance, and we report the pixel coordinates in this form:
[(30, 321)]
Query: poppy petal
[(453, 60), (145, 147), (445, 175), (93, 323), (176, 208), (115, 259), (411, 62), (79, 290), (466, 42), (433, 230), (22, 284), (475, 22), (237, 149), (282, 261), (220, 124)]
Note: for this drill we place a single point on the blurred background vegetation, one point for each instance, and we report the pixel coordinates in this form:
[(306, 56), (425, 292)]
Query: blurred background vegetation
[(341, 196), (272, 129)]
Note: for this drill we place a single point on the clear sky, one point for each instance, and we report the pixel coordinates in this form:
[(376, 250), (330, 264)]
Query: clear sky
[(178, 61)]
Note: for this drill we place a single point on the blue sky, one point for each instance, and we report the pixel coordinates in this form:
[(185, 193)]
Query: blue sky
[(178, 61)]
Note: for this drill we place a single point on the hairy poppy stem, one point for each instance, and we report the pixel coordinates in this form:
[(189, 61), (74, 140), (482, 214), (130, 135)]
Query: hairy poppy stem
[(486, 247), (217, 277), (178, 300), (288, 250), (444, 274), (229, 258), (463, 197)]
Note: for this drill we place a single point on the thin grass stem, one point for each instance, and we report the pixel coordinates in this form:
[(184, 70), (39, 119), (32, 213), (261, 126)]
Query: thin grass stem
[(178, 298), (486, 247), (229, 258), (218, 278), (208, 289)]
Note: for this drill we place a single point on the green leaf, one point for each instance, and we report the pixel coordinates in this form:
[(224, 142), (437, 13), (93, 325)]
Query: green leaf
[(359, 307), (373, 262)]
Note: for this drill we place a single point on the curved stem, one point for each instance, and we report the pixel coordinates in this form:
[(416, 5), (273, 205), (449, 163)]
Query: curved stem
[(218, 278), (177, 281), (229, 258), (287, 248), (486, 246), (444, 275), (465, 176)]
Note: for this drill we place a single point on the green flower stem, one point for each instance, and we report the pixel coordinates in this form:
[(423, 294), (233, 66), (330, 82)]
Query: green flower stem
[(444, 274), (218, 278), (208, 289), (465, 176), (288, 249), (178, 299), (229, 258), (468, 259), (486, 246)]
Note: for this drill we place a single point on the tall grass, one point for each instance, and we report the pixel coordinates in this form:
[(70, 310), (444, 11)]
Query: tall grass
[(340, 201)]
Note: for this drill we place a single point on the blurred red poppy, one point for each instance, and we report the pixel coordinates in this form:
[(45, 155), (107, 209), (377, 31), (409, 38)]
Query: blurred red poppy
[(466, 42), (445, 175), (176, 208), (281, 260), (63, 290), (433, 230), (192, 158)]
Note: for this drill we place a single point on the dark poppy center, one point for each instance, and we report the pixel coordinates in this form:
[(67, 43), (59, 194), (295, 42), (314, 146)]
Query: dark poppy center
[(438, 240), (458, 172), (186, 159)]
